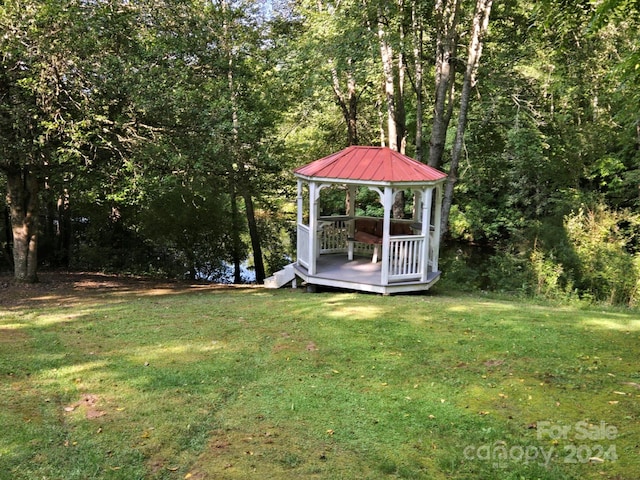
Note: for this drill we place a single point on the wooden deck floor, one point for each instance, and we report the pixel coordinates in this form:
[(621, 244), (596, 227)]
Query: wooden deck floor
[(358, 274)]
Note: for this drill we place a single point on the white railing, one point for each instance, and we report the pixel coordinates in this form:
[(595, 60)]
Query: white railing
[(333, 233), (406, 260), (303, 245)]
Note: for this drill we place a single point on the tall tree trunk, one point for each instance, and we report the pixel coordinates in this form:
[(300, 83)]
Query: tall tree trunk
[(244, 185), (386, 54), (236, 243), (400, 115), (393, 88), (64, 233), (416, 23), (446, 13), (8, 255), (22, 194), (480, 26), (255, 237), (381, 131), (235, 214), (400, 112), (352, 121), (348, 102)]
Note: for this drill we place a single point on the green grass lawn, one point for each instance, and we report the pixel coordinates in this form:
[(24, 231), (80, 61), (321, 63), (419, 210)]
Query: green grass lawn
[(232, 383)]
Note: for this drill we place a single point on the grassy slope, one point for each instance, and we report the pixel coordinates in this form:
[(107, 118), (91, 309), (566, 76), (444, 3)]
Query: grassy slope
[(230, 383)]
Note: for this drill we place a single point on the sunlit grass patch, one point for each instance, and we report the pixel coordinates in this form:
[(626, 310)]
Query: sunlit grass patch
[(624, 324)]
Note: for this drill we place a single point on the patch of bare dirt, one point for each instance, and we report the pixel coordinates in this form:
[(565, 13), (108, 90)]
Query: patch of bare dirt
[(62, 288), (88, 403), (12, 335)]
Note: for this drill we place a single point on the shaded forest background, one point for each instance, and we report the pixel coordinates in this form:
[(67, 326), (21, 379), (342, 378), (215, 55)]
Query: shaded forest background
[(157, 137)]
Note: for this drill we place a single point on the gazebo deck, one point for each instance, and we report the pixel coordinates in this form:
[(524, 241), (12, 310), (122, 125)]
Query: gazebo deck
[(334, 270)]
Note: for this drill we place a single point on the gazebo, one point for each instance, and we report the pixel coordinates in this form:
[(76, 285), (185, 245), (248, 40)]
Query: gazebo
[(366, 253)]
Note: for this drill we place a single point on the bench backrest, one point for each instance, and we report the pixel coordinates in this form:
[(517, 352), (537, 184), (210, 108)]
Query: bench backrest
[(401, 228), (374, 226)]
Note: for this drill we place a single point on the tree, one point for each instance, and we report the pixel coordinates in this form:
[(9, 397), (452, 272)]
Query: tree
[(333, 55), (38, 86), (252, 150), (474, 52), (446, 24)]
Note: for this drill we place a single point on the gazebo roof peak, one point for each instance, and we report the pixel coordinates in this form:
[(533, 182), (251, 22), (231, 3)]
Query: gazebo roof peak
[(370, 165)]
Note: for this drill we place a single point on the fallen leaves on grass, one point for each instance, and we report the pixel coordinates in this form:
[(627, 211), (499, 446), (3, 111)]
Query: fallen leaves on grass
[(194, 476), (632, 384)]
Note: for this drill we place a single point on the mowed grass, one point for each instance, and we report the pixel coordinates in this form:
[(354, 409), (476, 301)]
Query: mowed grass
[(232, 383)]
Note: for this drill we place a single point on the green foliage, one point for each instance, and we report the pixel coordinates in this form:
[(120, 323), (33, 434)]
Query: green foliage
[(462, 268), (192, 222), (105, 244), (593, 256), (368, 203), (127, 107), (277, 227), (547, 274), (566, 134), (601, 239), (508, 271), (532, 175), (333, 201), (107, 99)]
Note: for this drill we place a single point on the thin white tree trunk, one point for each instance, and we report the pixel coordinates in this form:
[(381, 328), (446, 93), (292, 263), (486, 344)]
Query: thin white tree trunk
[(348, 102), (400, 113), (446, 13), (239, 182), (480, 26), (416, 23), (386, 55)]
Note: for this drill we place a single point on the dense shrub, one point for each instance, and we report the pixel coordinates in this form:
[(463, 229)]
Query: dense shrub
[(608, 269), (594, 254)]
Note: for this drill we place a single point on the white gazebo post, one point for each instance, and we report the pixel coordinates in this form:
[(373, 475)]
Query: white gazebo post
[(314, 193), (351, 207), (387, 203), (300, 203), (427, 198), (436, 228), (299, 226)]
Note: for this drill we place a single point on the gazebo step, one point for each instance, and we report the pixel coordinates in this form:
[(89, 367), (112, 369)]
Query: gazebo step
[(281, 278)]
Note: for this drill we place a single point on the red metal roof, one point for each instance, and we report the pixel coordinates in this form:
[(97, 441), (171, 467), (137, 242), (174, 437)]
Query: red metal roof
[(370, 164)]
